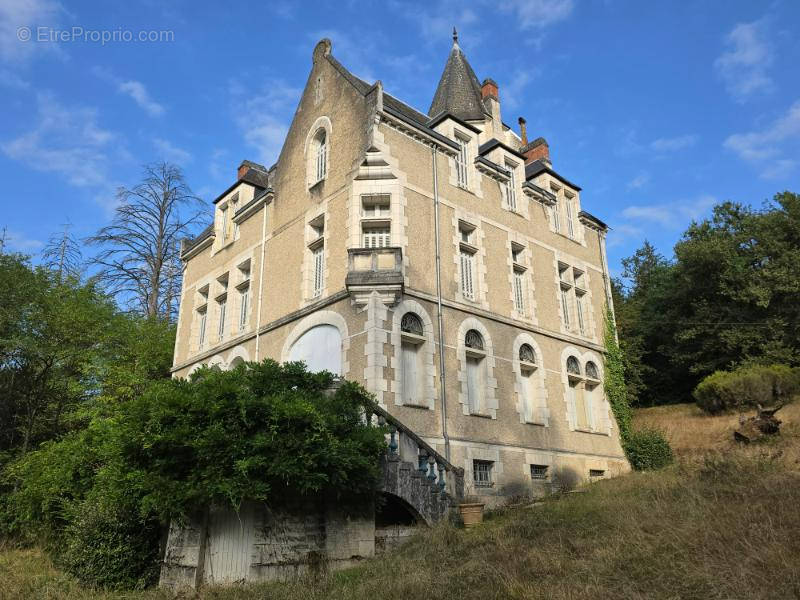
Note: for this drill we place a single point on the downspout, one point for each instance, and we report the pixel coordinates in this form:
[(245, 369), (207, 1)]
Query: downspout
[(261, 277), (442, 389)]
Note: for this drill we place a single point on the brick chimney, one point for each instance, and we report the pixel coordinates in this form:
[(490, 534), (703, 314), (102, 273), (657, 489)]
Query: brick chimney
[(242, 171), (491, 100), (489, 88), (538, 149)]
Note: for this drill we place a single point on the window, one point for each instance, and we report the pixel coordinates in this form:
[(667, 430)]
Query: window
[(322, 155), (376, 236), (223, 305), (234, 207), (581, 394), (565, 305), (244, 304), (570, 219), (317, 249), (556, 213), (482, 473), (573, 294), (579, 312), (591, 371), (223, 215), (519, 291), (539, 472), (527, 368), (375, 207), (411, 365), (462, 161), (526, 354), (467, 259), (511, 187), (203, 315), (476, 370), (596, 473), (319, 270)]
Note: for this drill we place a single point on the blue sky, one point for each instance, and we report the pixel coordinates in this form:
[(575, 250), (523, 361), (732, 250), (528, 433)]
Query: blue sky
[(657, 109)]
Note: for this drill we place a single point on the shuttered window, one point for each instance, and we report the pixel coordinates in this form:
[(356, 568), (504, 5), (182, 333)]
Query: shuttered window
[(376, 237), (511, 188), (319, 270), (223, 305), (244, 305), (467, 274), (570, 218), (462, 161), (474, 384), (519, 291), (202, 334), (579, 311), (409, 354), (565, 305), (322, 156)]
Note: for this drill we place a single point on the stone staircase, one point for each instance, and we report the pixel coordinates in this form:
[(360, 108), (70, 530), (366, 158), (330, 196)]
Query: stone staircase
[(416, 473)]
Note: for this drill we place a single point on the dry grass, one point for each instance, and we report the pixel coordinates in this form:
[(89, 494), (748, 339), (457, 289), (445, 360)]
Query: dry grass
[(722, 523)]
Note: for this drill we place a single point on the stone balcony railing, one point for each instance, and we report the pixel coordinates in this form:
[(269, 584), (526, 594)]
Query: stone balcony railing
[(375, 270)]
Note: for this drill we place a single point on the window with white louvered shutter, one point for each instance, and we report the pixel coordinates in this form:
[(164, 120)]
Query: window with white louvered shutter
[(319, 270), (519, 292), (376, 237), (467, 275)]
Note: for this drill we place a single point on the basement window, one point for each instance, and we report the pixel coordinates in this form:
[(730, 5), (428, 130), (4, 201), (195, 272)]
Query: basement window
[(596, 473), (539, 472), (482, 473)]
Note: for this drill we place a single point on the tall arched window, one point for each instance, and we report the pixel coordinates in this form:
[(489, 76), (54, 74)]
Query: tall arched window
[(476, 371), (320, 348), (579, 399), (412, 370), (320, 153), (527, 368)]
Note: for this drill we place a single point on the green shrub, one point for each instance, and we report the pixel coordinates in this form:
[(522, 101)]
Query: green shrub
[(110, 547), (746, 387), (648, 449)]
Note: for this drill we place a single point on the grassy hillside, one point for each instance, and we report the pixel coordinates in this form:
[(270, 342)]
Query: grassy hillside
[(722, 523)]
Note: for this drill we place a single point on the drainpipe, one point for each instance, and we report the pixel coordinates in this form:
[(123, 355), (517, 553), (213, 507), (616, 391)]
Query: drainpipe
[(442, 390), (261, 276)]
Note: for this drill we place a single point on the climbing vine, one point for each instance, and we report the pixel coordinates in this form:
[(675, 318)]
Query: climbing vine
[(646, 449)]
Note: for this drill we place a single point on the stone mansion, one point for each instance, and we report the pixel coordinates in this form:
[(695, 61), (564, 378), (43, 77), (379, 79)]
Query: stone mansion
[(436, 258)]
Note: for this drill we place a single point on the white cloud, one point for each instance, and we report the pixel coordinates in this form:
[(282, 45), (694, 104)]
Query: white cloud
[(18, 242), (743, 67), (675, 214), (766, 148), (512, 92), (11, 80), (137, 91), (673, 144), (639, 181), (263, 115), (171, 153), (65, 140), (619, 234), (538, 14), (29, 14)]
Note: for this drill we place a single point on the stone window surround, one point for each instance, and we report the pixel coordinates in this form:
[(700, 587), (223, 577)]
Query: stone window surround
[(540, 383), (590, 325), (531, 309), (321, 317), (307, 265), (564, 194), (479, 276), (603, 411), (450, 129), (322, 122), (428, 350), (482, 452), (489, 398)]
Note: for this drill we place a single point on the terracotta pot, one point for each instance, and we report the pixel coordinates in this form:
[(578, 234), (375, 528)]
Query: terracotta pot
[(471, 514)]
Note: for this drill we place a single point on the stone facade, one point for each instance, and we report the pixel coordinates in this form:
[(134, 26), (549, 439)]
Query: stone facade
[(331, 247)]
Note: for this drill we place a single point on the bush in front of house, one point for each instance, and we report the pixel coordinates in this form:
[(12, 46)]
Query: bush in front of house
[(647, 450), (100, 497), (747, 387)]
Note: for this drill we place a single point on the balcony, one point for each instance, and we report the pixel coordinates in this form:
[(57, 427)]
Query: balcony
[(375, 270)]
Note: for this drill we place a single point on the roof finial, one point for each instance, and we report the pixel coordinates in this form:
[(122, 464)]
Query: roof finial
[(455, 36)]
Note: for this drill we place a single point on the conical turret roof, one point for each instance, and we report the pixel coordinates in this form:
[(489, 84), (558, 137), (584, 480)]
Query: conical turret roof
[(458, 92)]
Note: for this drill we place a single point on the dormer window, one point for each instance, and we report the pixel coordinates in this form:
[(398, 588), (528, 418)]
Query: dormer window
[(462, 161), (319, 153)]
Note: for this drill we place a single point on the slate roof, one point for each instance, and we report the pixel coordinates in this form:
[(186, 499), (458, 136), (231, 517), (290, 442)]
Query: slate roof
[(458, 92), (537, 167)]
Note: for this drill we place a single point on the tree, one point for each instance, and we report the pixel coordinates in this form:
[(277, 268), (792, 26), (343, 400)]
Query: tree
[(139, 256), (63, 256)]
